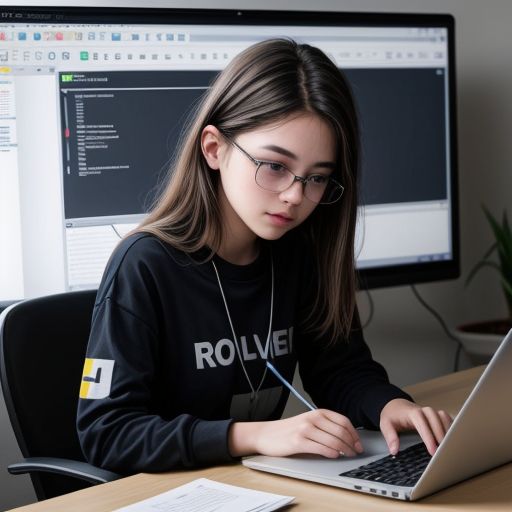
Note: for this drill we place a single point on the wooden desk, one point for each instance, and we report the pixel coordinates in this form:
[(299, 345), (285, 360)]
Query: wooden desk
[(490, 491)]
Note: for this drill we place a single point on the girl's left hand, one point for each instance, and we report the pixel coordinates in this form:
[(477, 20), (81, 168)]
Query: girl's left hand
[(399, 415)]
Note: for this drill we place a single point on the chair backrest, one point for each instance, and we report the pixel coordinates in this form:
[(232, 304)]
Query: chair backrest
[(42, 348)]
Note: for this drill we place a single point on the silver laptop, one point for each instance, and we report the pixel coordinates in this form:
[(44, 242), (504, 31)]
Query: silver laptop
[(467, 450)]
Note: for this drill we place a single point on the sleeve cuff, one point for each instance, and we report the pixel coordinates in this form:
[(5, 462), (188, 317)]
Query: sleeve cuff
[(210, 442), (377, 398)]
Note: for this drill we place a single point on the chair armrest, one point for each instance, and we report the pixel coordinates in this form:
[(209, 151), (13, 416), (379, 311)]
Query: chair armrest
[(67, 467)]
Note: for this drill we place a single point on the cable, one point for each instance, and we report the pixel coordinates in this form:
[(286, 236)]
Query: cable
[(115, 231), (443, 325)]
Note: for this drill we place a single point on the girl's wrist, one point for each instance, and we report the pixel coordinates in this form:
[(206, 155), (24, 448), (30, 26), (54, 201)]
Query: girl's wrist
[(242, 438)]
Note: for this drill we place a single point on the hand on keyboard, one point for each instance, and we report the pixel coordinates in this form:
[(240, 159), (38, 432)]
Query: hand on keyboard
[(400, 415)]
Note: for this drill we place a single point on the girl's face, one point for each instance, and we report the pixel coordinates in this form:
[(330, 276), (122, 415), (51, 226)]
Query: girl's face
[(303, 144)]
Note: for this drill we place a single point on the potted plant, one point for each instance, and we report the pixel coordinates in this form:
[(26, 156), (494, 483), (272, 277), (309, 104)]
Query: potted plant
[(481, 339)]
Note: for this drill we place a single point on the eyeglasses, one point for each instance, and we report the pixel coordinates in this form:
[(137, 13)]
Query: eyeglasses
[(275, 177)]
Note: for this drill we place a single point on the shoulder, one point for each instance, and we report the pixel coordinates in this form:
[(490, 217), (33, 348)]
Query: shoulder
[(138, 262), (147, 249), (143, 246)]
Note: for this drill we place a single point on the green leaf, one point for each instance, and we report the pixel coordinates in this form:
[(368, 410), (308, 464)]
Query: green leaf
[(506, 225), (508, 236), (508, 287), (499, 232), (479, 265), (489, 251), (503, 238), (503, 246)]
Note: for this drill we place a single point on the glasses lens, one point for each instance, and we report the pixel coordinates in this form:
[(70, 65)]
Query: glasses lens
[(273, 177), (324, 193)]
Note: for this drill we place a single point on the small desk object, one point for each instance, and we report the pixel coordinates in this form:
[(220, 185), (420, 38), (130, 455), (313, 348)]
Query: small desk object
[(491, 491)]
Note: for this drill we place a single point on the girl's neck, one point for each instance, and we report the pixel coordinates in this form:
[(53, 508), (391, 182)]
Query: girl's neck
[(239, 253)]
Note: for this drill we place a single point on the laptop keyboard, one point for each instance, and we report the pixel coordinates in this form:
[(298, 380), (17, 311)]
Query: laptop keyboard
[(404, 469)]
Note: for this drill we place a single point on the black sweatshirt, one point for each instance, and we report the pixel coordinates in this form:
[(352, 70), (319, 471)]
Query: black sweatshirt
[(163, 379)]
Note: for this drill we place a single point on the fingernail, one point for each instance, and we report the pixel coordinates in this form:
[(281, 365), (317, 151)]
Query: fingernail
[(393, 448), (359, 447)]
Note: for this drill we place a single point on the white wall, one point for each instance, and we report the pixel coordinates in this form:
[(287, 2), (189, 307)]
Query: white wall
[(403, 336)]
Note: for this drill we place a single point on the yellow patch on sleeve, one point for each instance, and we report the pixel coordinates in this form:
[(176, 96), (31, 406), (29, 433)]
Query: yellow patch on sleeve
[(84, 386), (96, 378)]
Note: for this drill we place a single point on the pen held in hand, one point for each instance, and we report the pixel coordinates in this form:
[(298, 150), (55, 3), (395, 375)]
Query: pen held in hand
[(289, 386)]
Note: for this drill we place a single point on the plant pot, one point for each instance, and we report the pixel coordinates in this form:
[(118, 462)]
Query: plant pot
[(481, 339)]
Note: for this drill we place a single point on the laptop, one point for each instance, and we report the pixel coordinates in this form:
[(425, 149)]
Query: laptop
[(467, 450)]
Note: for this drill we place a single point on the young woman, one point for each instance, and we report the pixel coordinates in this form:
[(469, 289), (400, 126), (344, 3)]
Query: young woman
[(248, 256)]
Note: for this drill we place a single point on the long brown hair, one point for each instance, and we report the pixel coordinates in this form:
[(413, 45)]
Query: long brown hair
[(268, 82)]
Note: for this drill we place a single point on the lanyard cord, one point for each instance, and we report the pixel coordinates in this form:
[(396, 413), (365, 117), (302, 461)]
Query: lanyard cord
[(267, 344)]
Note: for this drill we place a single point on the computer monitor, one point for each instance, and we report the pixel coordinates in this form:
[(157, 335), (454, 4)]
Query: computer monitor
[(93, 101)]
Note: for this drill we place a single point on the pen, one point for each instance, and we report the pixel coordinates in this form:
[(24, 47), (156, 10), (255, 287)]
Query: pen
[(289, 386)]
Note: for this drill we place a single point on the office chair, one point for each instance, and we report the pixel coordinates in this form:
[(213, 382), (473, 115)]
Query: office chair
[(42, 349)]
